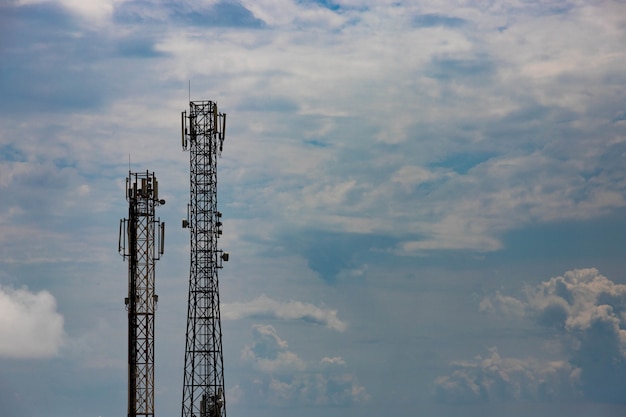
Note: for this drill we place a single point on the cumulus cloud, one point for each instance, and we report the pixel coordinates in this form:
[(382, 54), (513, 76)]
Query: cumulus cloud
[(281, 378), (587, 313), (269, 352), (589, 308), (494, 378), (265, 307), (573, 302), (502, 304), (30, 326)]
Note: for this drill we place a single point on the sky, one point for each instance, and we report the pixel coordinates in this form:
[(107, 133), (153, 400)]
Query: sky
[(424, 203)]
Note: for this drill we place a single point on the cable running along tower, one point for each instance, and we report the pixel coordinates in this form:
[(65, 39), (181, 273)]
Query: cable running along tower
[(141, 240), (203, 386)]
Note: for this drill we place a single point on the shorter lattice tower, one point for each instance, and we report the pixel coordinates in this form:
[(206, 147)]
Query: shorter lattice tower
[(141, 241)]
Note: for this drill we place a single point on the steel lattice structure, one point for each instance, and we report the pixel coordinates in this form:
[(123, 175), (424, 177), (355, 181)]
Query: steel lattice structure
[(203, 386), (141, 241)]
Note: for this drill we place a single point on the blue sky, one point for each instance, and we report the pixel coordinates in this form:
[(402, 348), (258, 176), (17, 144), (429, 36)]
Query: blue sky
[(424, 203)]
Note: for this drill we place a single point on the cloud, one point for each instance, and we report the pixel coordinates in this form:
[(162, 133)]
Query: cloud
[(222, 13), (265, 307), (269, 352), (30, 326), (337, 360), (572, 303), (445, 126), (589, 308), (523, 181), (587, 313), (205, 14), (94, 11), (430, 210), (282, 378), (138, 48), (467, 92), (433, 20), (502, 304), (496, 379), (412, 176)]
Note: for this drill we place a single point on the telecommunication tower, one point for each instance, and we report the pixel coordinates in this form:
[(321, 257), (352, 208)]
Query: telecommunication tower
[(203, 385), (141, 241)]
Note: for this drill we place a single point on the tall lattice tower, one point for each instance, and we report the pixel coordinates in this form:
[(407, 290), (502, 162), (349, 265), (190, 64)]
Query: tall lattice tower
[(203, 386), (141, 241)]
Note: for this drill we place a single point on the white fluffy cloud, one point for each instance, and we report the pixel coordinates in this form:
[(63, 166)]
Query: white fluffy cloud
[(265, 307), (281, 378), (269, 352), (572, 303), (587, 312), (30, 326), (494, 378)]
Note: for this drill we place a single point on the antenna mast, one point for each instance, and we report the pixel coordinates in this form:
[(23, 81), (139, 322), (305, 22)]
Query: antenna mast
[(141, 241), (203, 386)]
